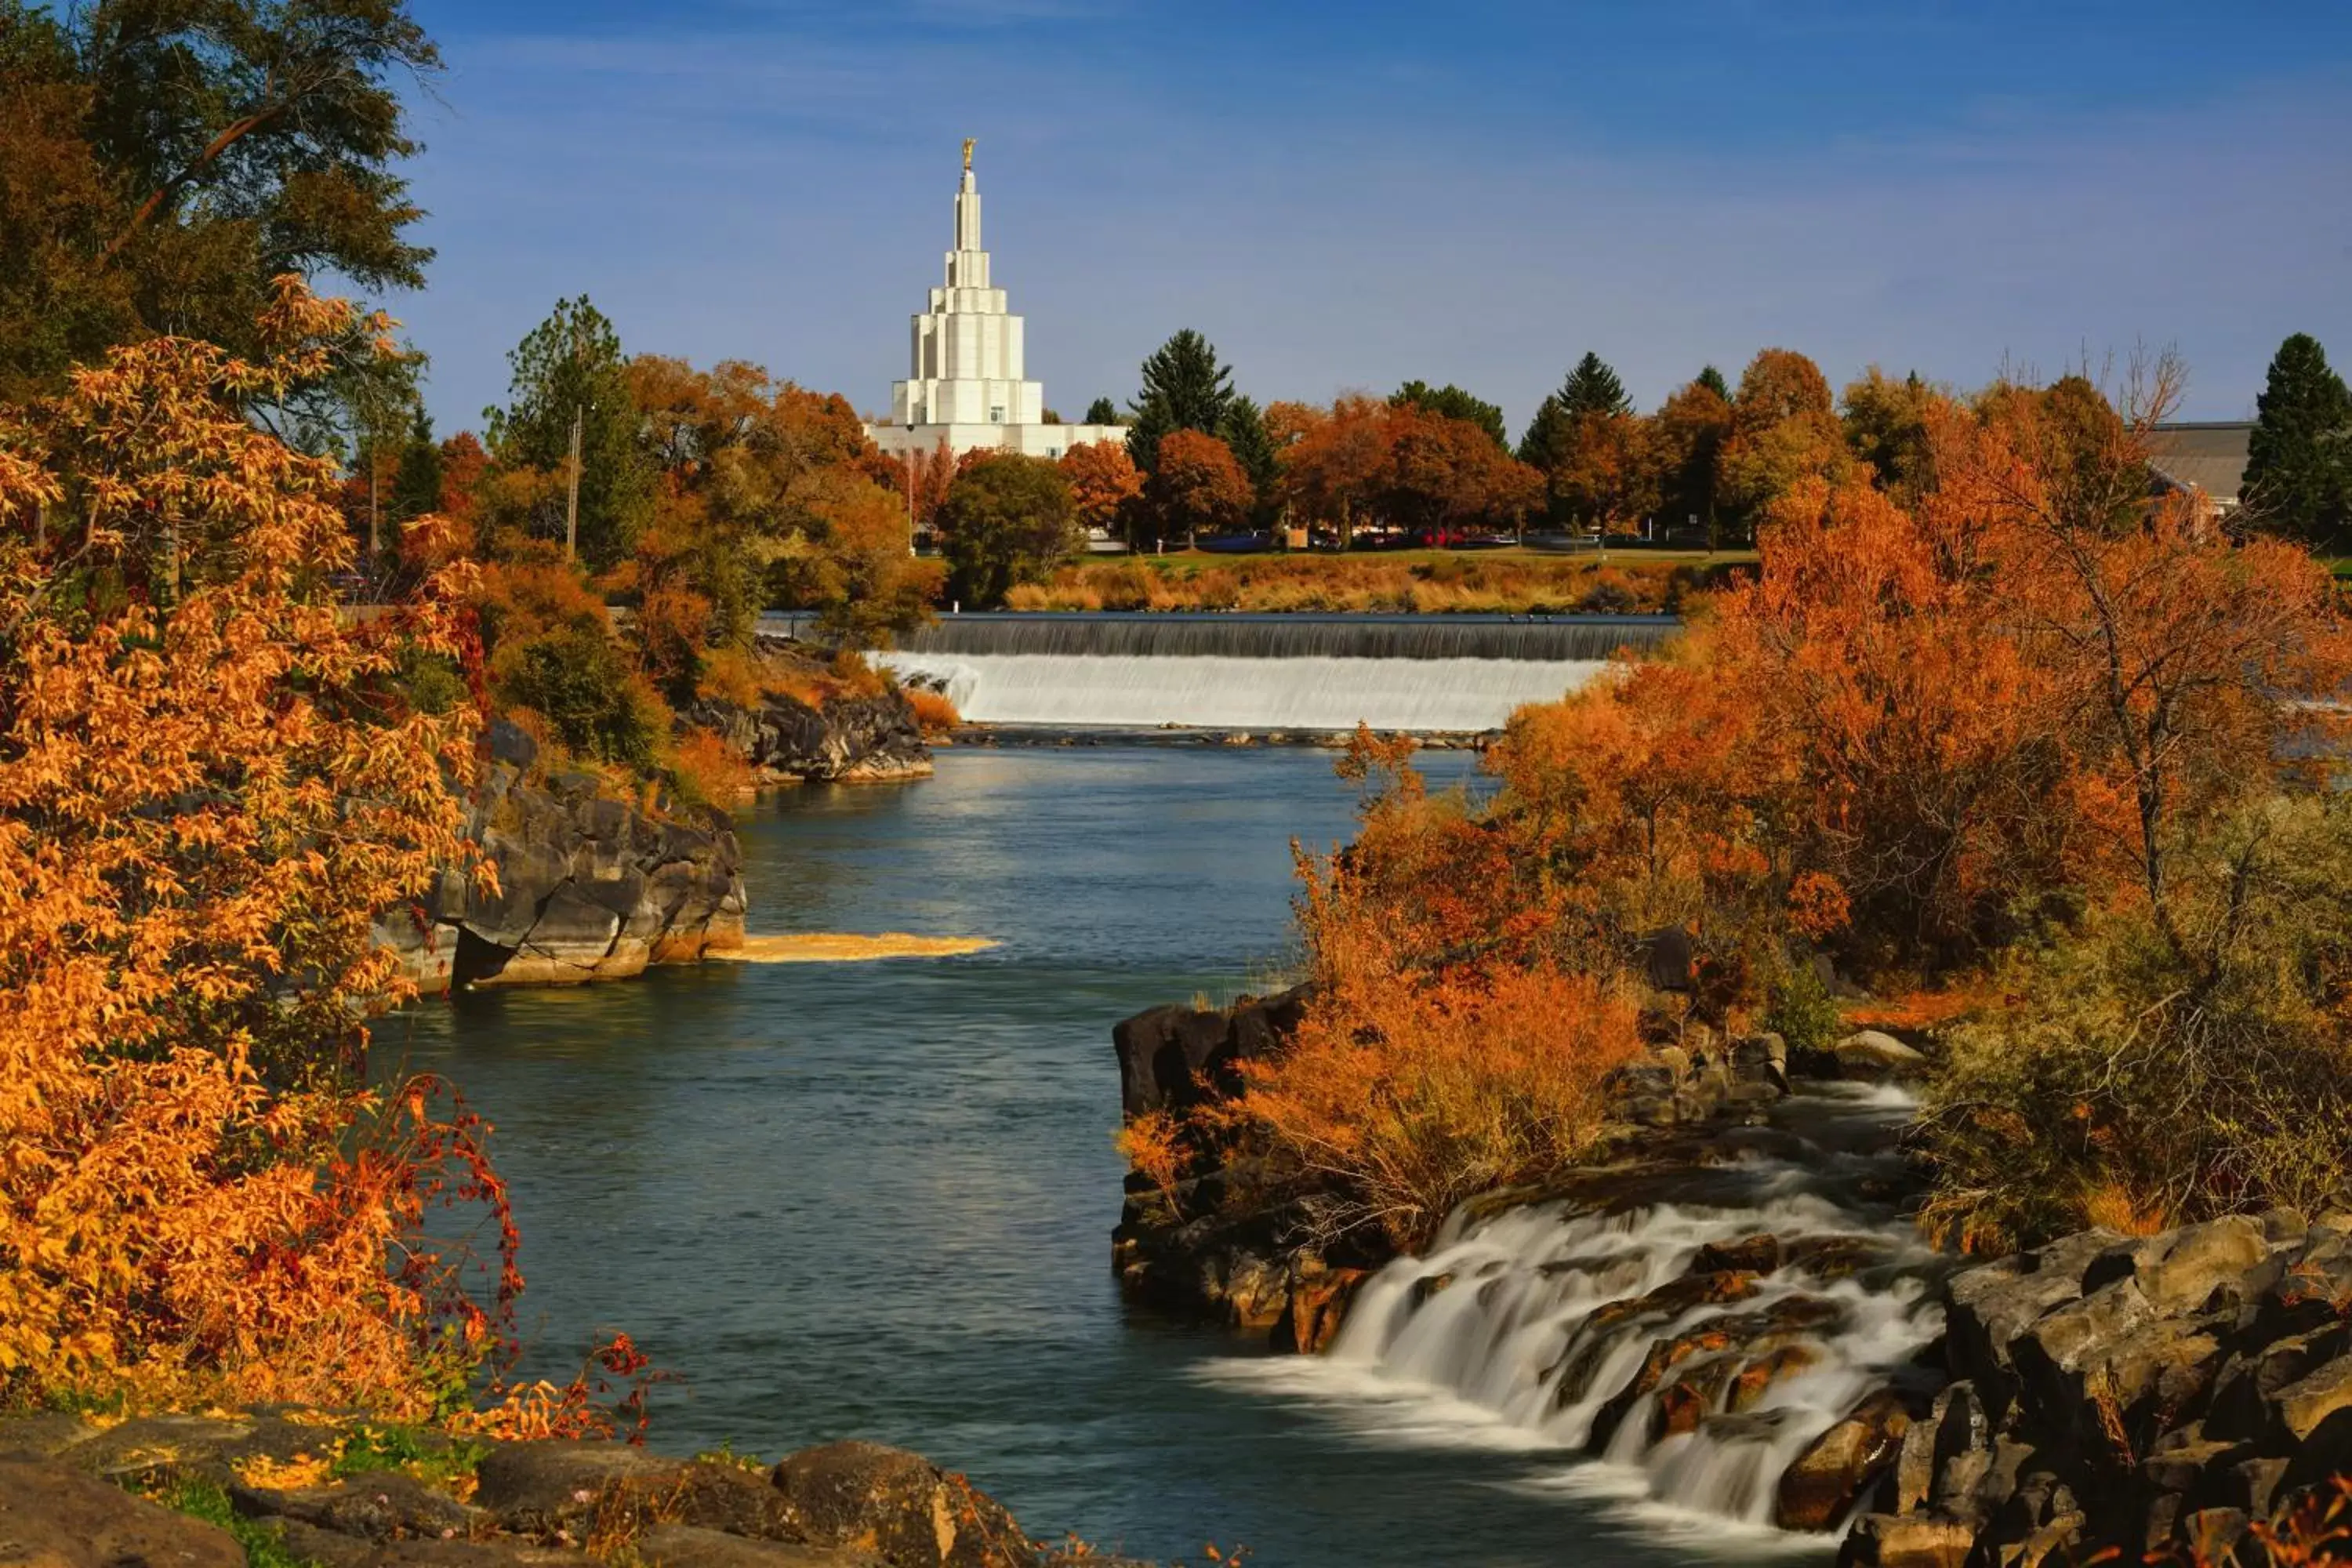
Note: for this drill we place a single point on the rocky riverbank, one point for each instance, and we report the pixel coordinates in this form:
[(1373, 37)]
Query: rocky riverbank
[(331, 1491), (594, 887), (1742, 1313), (1190, 1251), (589, 887), (1019, 736), (848, 740), (2156, 1395)]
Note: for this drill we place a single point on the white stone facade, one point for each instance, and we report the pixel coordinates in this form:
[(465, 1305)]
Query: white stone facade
[(966, 389)]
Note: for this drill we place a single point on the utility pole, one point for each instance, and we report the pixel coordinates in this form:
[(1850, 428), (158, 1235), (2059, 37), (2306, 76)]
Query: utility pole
[(571, 502)]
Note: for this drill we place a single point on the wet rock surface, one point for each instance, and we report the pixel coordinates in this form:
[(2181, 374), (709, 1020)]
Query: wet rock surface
[(1189, 1252)]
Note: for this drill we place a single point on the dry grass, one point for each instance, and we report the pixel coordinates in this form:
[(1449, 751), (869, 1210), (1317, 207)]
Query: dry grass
[(1424, 583), (933, 709), (747, 679), (707, 769)]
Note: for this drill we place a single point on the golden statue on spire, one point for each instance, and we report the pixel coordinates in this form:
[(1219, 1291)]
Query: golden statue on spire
[(967, 153)]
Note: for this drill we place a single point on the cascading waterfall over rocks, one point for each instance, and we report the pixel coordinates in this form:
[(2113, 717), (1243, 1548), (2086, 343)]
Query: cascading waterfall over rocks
[(1421, 673), (1737, 1339)]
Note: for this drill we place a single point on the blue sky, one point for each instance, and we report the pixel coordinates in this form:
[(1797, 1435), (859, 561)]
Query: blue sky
[(1347, 197)]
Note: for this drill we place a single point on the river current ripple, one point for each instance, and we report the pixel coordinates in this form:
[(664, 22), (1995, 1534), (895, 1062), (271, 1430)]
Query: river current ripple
[(874, 1200)]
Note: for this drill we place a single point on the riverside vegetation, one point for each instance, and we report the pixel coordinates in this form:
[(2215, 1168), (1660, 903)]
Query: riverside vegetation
[(2011, 752), (216, 777)]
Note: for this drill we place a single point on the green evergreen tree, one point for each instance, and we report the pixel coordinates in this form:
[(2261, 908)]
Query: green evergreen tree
[(416, 486), (571, 367), (1244, 430), (1455, 404), (1007, 520), (1593, 388), (1101, 411), (1550, 436), (1712, 379), (2299, 460), (1184, 388)]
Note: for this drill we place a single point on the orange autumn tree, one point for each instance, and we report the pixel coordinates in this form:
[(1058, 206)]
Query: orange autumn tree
[(1437, 1059), (1105, 485), (210, 781), (1196, 486), (2040, 733)]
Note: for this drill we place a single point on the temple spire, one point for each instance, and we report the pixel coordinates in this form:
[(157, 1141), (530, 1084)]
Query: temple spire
[(967, 236)]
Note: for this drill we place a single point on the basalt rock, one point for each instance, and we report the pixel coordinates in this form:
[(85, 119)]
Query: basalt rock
[(52, 1516), (848, 740), (1188, 1250), (1176, 1057), (1831, 1475), (589, 887), (2138, 1395), (532, 1504), (899, 1507)]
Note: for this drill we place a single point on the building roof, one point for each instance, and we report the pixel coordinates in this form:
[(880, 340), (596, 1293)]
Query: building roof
[(2208, 454)]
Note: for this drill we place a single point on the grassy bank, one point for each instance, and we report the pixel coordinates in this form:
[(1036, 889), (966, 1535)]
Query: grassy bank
[(1424, 582)]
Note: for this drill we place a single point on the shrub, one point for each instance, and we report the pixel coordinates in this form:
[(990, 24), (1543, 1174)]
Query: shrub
[(1801, 1010), (1402, 1097), (594, 704), (934, 711), (211, 786), (707, 770), (2170, 1066)]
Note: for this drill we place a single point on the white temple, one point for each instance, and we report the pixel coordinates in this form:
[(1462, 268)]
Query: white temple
[(967, 390)]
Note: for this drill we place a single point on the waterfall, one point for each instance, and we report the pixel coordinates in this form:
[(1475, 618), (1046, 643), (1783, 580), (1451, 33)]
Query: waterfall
[(1680, 1342), (1143, 691), (1543, 639)]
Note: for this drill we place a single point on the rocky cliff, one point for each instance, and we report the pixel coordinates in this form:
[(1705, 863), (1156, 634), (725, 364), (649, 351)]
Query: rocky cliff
[(849, 740), (2148, 1395), (588, 887), (2161, 1397)]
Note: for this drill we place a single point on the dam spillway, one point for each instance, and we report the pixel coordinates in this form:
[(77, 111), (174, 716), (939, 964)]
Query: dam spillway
[(1296, 672)]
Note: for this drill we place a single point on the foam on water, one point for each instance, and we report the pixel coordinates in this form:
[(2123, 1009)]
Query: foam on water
[(1304, 693), (1497, 1337)]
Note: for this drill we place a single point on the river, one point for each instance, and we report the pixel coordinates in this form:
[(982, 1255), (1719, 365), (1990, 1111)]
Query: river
[(874, 1200)]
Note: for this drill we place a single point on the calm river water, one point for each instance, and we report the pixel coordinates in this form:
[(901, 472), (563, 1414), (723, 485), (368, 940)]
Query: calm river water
[(874, 1200)]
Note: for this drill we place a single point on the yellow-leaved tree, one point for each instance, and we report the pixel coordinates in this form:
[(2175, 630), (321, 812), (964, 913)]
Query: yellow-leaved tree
[(211, 778)]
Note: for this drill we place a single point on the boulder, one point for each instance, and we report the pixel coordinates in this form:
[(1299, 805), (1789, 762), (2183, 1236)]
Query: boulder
[(1906, 1541), (2180, 1270), (1870, 1054), (43, 1433), (1174, 1058), (848, 740), (899, 1507), (1821, 1488), (545, 1486), (55, 1517), (588, 887), (1318, 1301), (315, 1548), (2304, 1404), (374, 1505)]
